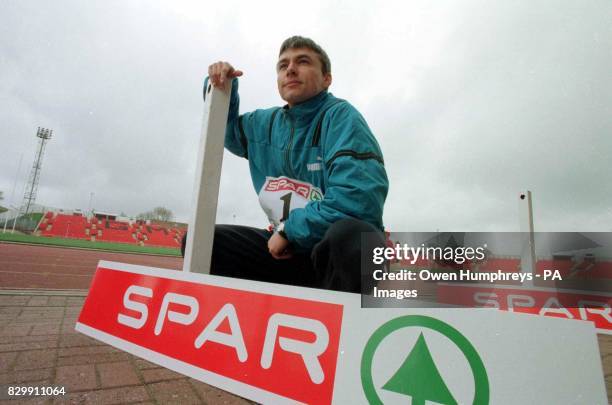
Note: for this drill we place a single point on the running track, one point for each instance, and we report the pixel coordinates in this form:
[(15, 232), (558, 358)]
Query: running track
[(32, 266)]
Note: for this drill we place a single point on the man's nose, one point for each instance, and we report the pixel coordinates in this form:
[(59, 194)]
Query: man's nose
[(291, 68)]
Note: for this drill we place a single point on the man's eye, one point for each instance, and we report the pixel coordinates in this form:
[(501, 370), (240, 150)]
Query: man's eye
[(282, 66)]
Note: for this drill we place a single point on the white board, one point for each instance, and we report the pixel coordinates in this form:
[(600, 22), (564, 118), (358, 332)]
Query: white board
[(201, 230), (479, 356)]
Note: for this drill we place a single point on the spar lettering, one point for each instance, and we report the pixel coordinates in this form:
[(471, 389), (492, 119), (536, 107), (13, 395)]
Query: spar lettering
[(586, 310), (285, 184), (309, 352)]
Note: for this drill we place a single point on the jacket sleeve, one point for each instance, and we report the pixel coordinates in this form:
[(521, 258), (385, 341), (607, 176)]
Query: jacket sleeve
[(235, 133), (356, 183)]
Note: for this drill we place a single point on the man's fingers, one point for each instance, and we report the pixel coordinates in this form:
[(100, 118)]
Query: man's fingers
[(225, 72), (220, 71), (279, 247), (229, 73), (214, 73), (282, 256)]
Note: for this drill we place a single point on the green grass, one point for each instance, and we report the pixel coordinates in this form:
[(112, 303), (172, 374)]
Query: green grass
[(78, 243), (34, 216)]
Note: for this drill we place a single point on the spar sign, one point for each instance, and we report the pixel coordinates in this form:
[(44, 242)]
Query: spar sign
[(279, 344), (568, 304), (267, 347)]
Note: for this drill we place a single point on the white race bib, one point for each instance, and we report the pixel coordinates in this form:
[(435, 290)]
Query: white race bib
[(280, 195)]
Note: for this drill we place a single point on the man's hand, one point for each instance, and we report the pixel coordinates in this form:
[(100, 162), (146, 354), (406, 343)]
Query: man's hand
[(221, 73), (279, 247)]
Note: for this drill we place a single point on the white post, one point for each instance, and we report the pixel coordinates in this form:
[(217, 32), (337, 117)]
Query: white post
[(15, 220), (5, 220), (528, 254), (198, 249), (89, 209)]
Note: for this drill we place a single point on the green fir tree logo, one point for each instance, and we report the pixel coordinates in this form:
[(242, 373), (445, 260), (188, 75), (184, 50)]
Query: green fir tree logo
[(419, 378)]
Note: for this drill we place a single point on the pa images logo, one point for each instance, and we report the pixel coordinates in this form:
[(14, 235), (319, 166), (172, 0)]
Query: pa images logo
[(424, 360)]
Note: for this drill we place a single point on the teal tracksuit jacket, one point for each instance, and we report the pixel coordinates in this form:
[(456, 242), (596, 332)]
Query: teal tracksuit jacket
[(311, 165)]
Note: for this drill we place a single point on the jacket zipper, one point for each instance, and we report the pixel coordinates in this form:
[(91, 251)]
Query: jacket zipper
[(288, 150)]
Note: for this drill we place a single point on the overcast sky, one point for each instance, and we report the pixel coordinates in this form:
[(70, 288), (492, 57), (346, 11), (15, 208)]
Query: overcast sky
[(472, 102)]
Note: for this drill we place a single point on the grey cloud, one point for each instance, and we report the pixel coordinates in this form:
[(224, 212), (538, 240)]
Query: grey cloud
[(513, 96)]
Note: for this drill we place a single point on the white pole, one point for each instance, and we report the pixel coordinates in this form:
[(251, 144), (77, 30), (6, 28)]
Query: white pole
[(5, 220), (16, 177), (201, 231), (528, 254), (531, 234), (25, 186), (15, 219), (13, 194), (91, 196)]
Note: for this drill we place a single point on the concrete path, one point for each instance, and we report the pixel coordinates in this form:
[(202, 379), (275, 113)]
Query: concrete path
[(39, 347)]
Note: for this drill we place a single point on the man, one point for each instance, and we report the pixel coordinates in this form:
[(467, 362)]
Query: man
[(319, 174)]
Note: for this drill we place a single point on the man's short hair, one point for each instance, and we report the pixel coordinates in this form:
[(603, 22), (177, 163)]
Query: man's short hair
[(301, 42)]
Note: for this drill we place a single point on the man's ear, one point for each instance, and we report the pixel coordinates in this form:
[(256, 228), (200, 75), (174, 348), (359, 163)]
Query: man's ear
[(327, 79)]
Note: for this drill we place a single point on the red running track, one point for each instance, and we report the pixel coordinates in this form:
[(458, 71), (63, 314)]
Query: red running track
[(31, 266)]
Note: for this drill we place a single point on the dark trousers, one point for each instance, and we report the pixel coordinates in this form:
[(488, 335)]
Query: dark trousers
[(334, 263)]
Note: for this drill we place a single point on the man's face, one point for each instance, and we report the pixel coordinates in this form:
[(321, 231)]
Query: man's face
[(299, 75)]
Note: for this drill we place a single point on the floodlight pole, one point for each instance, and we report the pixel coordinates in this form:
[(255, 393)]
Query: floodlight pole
[(201, 230), (29, 196)]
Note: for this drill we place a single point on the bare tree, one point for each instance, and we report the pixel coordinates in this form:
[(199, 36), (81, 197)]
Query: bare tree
[(162, 214), (145, 215), (157, 214)]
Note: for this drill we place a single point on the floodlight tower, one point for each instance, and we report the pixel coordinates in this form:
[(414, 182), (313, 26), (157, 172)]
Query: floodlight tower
[(29, 197)]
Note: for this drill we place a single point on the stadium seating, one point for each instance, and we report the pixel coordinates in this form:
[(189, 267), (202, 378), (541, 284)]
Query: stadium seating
[(601, 270), (591, 269), (564, 266), (77, 226), (65, 226), (113, 231)]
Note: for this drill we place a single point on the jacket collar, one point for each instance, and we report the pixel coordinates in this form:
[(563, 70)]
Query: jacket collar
[(309, 108)]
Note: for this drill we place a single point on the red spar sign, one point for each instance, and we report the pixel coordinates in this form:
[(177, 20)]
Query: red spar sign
[(256, 342), (569, 304)]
